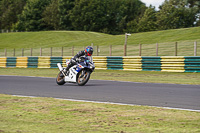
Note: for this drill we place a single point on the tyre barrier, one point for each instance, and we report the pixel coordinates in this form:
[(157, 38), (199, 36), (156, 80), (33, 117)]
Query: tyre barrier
[(133, 63)]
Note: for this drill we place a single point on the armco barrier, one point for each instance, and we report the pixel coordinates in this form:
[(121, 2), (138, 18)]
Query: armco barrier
[(192, 64), (173, 64), (32, 62), (151, 63), (134, 63), (115, 63)]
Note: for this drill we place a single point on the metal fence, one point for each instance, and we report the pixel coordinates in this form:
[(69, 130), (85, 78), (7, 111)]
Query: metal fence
[(187, 48)]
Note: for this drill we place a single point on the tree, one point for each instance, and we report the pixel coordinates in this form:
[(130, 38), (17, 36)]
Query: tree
[(31, 17), (196, 4), (148, 21), (108, 16), (167, 17), (51, 16), (88, 15), (132, 26), (176, 14), (113, 20), (64, 8), (193, 3), (126, 12), (9, 10)]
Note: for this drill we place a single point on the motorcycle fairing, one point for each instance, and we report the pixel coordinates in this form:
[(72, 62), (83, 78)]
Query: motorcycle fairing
[(72, 75)]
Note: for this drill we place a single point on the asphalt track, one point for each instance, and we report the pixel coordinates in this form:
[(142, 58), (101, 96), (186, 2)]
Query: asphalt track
[(151, 94)]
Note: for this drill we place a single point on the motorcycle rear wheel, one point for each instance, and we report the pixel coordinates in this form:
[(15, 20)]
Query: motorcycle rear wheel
[(60, 80), (83, 77)]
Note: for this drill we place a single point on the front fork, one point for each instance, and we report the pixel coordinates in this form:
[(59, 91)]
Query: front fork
[(61, 68)]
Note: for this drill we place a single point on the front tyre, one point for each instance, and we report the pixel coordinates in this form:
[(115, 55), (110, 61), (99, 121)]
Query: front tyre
[(60, 80), (83, 77)]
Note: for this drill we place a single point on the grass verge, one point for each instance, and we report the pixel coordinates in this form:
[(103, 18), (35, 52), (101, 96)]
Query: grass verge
[(36, 115), (117, 75)]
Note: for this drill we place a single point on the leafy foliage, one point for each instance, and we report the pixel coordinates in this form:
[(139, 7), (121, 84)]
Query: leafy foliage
[(176, 14), (31, 17), (145, 23), (107, 16), (64, 8), (9, 10), (51, 16)]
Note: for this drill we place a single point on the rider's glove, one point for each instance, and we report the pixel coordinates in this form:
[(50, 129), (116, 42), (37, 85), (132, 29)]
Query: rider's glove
[(78, 60), (73, 60)]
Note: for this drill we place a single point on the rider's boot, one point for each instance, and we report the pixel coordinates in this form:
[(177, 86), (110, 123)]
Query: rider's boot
[(66, 70)]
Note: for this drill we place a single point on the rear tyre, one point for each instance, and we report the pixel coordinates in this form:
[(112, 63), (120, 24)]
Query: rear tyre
[(83, 77), (60, 80)]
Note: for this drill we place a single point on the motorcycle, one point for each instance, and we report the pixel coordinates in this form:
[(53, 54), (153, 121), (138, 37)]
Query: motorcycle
[(79, 73)]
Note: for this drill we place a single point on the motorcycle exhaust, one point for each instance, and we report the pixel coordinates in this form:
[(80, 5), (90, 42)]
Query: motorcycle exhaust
[(59, 67)]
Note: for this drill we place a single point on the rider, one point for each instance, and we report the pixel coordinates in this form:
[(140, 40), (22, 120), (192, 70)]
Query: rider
[(87, 52)]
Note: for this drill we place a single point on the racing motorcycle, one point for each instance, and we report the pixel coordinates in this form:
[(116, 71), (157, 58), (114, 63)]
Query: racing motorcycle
[(79, 73)]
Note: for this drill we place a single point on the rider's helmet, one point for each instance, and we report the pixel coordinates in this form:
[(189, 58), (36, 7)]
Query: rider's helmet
[(88, 51)]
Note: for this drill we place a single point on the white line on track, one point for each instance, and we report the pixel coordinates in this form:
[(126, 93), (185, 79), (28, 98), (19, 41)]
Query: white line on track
[(74, 100)]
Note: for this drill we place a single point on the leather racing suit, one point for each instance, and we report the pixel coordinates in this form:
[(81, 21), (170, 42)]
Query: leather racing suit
[(74, 60)]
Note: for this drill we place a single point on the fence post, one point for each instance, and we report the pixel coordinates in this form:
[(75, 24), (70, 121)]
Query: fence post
[(125, 48), (140, 50), (156, 49), (31, 51), (72, 50), (97, 50), (62, 52), (51, 51), (22, 51), (110, 50), (125, 44), (195, 48), (176, 48), (14, 52), (5, 52), (40, 51)]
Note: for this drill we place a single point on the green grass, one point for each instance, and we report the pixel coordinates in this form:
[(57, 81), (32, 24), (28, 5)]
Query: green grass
[(82, 38), (117, 75), (79, 39), (37, 115)]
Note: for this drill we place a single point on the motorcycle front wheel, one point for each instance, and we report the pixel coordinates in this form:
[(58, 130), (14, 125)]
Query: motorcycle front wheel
[(83, 77), (60, 80)]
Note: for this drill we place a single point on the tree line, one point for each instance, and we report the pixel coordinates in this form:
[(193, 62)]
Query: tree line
[(107, 16)]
